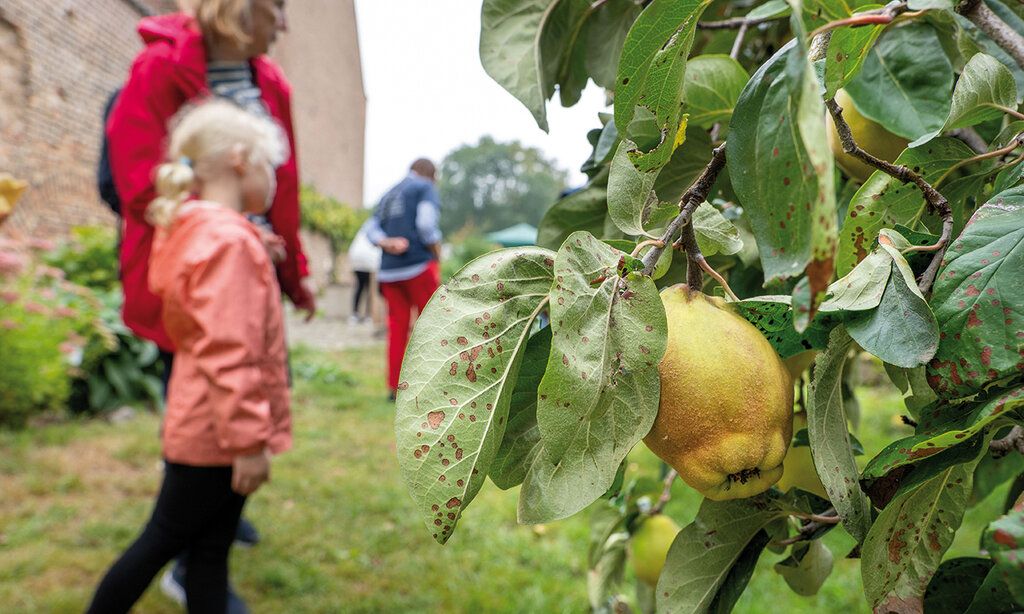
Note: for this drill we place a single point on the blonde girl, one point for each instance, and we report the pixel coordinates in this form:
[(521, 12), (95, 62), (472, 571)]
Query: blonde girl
[(228, 402)]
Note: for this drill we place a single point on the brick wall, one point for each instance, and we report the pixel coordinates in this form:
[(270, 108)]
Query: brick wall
[(320, 55), (59, 60)]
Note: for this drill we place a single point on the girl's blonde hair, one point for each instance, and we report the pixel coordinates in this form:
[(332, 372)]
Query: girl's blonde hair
[(200, 137), (227, 20)]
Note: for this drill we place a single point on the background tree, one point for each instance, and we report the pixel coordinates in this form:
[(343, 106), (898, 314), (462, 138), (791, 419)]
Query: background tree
[(492, 185)]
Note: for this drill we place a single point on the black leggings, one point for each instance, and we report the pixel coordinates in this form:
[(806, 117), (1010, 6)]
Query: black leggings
[(196, 511), (362, 284)]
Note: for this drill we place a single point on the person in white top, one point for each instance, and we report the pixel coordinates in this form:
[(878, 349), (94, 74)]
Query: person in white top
[(364, 258)]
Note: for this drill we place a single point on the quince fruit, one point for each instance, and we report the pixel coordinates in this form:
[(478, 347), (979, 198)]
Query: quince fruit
[(726, 414), (650, 547), (868, 134)]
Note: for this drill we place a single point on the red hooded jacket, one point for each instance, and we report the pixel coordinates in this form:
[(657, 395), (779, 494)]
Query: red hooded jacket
[(167, 74)]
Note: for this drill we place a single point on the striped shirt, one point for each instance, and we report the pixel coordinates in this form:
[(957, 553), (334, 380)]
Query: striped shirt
[(234, 81)]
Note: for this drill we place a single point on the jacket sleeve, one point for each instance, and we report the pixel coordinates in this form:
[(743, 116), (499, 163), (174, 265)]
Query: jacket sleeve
[(137, 130), (228, 298), (284, 216)]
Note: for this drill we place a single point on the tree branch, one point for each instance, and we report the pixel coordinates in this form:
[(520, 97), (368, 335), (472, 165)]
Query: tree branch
[(666, 493), (996, 29), (935, 200), (881, 16), (971, 137), (691, 199), (817, 521), (1014, 440), (737, 22)]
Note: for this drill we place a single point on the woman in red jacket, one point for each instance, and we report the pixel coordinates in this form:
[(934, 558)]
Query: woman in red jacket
[(219, 50)]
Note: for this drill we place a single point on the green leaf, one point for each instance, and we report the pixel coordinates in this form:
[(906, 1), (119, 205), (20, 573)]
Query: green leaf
[(631, 196), (942, 427), (902, 88), (510, 34), (715, 234), (522, 436), (993, 597), (985, 85), (862, 288), (584, 209), (599, 395), (686, 164), (884, 201), (453, 398), (847, 50), (651, 72), (956, 581), (830, 441), (773, 317), (712, 86), (1003, 540), (902, 330), (807, 567), (906, 543), (607, 572), (913, 383), (992, 472), (782, 169), (739, 576), (705, 551), (605, 34), (979, 300)]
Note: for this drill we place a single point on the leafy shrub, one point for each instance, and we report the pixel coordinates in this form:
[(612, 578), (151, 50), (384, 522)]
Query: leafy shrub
[(336, 220), (33, 369), (88, 258), (466, 247)]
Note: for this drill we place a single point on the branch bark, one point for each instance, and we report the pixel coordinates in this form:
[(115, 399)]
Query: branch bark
[(817, 521), (691, 199), (932, 196), (996, 29), (736, 22), (1014, 440), (666, 493)]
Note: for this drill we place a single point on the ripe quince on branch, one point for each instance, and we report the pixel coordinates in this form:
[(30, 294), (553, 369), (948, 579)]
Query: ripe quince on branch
[(726, 414)]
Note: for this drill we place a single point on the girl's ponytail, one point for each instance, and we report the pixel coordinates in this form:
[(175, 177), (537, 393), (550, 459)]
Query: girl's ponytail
[(174, 183)]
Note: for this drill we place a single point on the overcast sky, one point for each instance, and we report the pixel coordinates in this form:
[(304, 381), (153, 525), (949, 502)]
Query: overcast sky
[(427, 92)]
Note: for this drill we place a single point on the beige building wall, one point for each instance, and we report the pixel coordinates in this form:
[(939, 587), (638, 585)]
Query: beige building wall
[(320, 56)]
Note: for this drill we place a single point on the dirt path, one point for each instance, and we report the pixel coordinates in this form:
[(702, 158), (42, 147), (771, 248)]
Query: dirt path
[(331, 329)]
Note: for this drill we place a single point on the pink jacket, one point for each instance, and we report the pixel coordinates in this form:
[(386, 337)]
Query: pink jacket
[(228, 394)]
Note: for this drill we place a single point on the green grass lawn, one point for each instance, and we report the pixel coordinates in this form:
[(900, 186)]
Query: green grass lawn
[(340, 532)]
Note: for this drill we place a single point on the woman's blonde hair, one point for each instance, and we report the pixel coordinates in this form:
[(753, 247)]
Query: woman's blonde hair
[(203, 134), (226, 20)]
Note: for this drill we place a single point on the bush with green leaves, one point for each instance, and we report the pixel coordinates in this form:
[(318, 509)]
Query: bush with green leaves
[(335, 220), (466, 246), (117, 368), (717, 167), (88, 257)]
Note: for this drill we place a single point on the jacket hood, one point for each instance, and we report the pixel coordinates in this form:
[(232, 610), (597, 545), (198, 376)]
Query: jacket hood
[(178, 29)]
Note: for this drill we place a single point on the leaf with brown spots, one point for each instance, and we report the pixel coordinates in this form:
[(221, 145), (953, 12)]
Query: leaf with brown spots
[(945, 425), (979, 301), (458, 376), (905, 544), (883, 201), (1004, 541), (782, 170), (596, 399)]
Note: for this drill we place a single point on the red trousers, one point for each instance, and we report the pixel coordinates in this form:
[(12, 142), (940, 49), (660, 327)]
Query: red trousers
[(402, 297)]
